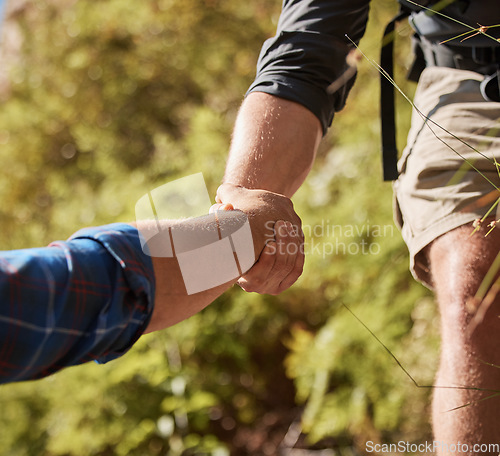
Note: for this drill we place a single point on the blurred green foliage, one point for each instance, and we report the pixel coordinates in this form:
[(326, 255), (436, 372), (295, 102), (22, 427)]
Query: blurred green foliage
[(113, 98)]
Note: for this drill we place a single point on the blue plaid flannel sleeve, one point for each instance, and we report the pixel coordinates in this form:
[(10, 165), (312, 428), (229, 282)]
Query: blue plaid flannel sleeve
[(89, 298)]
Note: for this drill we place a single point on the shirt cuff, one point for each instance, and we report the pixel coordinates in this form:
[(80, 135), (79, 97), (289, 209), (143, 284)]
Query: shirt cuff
[(123, 243), (300, 66)]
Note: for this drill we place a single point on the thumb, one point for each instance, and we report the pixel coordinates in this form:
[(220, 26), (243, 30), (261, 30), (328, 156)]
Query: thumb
[(226, 192)]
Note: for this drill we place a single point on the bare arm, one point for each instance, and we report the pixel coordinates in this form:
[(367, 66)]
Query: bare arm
[(274, 144), (288, 108), (183, 291), (173, 303), (273, 149)]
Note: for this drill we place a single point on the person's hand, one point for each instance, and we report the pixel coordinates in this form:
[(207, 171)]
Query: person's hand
[(277, 235)]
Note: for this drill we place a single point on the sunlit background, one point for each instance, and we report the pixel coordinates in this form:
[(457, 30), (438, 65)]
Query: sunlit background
[(104, 100)]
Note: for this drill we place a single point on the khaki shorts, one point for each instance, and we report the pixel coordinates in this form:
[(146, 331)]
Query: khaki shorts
[(448, 178)]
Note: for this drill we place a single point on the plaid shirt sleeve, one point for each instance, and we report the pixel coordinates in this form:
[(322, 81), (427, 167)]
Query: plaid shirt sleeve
[(89, 298)]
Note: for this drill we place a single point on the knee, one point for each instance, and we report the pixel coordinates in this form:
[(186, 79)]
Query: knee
[(470, 323)]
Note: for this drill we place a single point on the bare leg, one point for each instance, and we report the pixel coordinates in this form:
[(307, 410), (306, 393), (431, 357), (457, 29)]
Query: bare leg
[(458, 265)]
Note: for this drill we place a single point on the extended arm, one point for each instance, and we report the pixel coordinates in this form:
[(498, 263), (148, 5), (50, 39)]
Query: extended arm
[(289, 106), (273, 148), (93, 296), (207, 264), (274, 144), (286, 112)]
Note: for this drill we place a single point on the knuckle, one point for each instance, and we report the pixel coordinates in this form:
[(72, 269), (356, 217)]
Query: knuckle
[(289, 268), (281, 262), (284, 287), (281, 274), (297, 271)]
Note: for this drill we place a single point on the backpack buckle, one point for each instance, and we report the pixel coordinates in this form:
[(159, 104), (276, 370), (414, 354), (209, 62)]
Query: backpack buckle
[(490, 87)]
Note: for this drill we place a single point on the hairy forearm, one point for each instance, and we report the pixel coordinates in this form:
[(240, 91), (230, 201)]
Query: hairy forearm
[(195, 261), (172, 303), (274, 144)]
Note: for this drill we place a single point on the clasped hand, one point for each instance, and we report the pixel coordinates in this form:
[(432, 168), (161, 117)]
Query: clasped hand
[(277, 236)]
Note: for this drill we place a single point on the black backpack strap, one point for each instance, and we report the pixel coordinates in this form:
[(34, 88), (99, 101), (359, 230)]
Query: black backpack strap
[(387, 107), (490, 87)]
